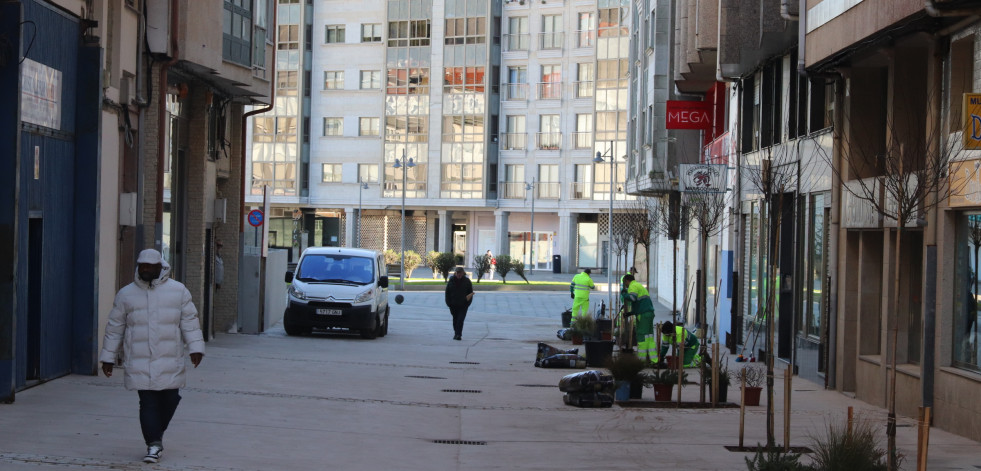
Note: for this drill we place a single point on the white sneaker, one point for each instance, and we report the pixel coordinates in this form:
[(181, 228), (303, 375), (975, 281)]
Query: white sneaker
[(152, 454)]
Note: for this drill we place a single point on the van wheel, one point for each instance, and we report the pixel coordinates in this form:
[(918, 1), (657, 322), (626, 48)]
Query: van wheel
[(383, 330), (369, 333), (291, 327)]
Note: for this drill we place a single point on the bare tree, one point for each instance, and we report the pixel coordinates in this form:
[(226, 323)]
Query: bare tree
[(898, 165)]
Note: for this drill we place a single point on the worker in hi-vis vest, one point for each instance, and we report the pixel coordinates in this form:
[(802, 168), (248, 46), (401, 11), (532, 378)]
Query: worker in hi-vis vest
[(580, 286), (637, 302), (687, 343)]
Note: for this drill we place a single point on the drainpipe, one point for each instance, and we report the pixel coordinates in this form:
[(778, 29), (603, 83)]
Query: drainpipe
[(785, 11), (162, 126), (935, 9)]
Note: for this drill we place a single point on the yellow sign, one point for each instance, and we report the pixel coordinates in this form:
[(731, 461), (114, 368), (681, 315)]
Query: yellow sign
[(965, 183), (972, 121)]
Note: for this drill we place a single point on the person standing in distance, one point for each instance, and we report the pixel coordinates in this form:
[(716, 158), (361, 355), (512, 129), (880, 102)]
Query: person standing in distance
[(151, 320), (579, 289), (459, 295), (219, 266), (493, 264)]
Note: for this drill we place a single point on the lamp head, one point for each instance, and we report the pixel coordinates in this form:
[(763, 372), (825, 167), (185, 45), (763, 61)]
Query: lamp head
[(398, 164), (411, 163), (599, 157), (364, 186)]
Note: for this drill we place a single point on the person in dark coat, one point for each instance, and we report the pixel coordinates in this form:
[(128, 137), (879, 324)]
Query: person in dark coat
[(459, 295)]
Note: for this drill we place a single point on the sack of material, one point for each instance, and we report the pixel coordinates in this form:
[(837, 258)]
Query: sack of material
[(588, 399), (545, 350), (562, 360), (564, 334), (591, 380)]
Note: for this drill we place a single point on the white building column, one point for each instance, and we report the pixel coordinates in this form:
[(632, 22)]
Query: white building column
[(350, 236), (567, 240), (501, 231), (445, 230)]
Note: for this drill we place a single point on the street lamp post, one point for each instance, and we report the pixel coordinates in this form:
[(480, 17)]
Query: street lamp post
[(404, 165), (361, 186), (609, 245), (531, 186)]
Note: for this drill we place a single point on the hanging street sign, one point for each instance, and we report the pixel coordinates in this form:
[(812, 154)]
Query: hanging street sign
[(706, 178)]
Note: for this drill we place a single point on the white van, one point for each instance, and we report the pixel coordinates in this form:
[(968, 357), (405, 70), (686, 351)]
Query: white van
[(337, 287)]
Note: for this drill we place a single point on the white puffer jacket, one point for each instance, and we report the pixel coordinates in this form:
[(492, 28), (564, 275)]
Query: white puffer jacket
[(152, 322)]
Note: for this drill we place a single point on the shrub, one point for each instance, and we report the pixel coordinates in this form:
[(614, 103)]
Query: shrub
[(855, 451), (519, 269), (412, 261), (392, 257), (430, 262), (625, 366), (775, 460), (481, 266), (583, 324), (504, 265), (445, 263), (665, 376), (755, 376)]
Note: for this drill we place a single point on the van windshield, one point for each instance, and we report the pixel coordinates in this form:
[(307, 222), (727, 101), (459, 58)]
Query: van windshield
[(336, 268)]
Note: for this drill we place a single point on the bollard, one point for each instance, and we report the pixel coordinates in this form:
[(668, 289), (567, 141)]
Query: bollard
[(742, 406)]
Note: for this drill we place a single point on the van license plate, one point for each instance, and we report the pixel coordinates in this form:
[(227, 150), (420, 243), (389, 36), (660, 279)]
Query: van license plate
[(328, 312)]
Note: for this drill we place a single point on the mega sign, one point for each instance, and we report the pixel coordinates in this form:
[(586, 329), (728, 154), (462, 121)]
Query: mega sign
[(689, 115)]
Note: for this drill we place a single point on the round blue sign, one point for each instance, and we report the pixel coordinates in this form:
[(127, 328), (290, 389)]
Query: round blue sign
[(255, 218)]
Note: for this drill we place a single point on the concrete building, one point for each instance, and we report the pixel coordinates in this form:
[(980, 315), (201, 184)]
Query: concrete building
[(122, 127), (505, 140)]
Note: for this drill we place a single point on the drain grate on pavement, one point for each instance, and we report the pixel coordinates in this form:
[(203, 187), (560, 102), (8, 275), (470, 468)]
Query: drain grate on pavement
[(754, 449), (470, 391), (424, 377), (459, 442), (464, 362)]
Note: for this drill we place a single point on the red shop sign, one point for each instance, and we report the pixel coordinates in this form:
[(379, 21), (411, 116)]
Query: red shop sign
[(689, 115)]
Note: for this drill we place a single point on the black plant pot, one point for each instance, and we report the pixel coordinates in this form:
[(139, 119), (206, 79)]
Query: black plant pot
[(636, 389), (598, 351), (723, 392)]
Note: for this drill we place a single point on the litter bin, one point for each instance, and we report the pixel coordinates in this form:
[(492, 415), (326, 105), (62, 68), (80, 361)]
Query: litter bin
[(556, 264)]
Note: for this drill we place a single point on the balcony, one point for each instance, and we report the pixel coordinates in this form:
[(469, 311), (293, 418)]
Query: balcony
[(581, 191), (514, 141), (516, 42), (513, 190), (550, 40), (515, 91), (585, 38), (549, 140), (548, 190), (583, 89), (549, 90), (582, 140)]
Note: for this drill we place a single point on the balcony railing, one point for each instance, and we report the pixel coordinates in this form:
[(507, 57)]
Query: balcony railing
[(514, 141), (583, 89), (517, 42), (549, 90), (549, 140), (548, 190), (515, 91), (513, 190), (585, 38), (551, 40), (582, 140), (581, 190)]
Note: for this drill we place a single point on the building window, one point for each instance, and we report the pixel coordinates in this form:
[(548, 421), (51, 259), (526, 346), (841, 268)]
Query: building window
[(549, 136), (332, 173), (548, 181), (236, 41), (334, 34), (586, 32), (370, 79), (368, 173), (334, 80), (966, 353), (550, 87), (286, 82), (371, 33), (518, 37), (414, 81), (584, 131), (465, 30), (368, 126), (514, 181), (516, 87), (515, 137), (289, 37), (551, 36), (333, 126), (584, 80), (408, 33)]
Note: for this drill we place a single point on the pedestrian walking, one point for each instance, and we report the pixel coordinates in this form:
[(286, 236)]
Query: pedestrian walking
[(493, 264), (459, 295), (579, 288), (151, 320)]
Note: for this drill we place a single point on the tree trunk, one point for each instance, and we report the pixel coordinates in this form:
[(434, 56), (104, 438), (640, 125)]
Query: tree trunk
[(892, 458)]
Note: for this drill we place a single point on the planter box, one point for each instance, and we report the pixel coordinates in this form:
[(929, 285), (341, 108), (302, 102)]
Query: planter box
[(597, 352), (662, 392), (752, 395)]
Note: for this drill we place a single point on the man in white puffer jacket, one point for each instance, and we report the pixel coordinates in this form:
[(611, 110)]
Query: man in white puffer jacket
[(152, 319)]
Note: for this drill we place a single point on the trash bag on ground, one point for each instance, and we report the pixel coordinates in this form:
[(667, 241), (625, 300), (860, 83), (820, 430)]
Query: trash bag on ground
[(562, 360), (592, 380), (564, 334), (545, 350), (588, 399)]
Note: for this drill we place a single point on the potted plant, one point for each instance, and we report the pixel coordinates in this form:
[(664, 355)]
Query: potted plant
[(754, 384), (582, 326), (626, 368), (663, 382), (724, 380)]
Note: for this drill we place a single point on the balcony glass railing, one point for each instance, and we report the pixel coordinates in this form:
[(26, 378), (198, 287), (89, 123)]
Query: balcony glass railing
[(515, 91), (550, 40), (549, 140), (517, 42), (514, 141), (549, 90)]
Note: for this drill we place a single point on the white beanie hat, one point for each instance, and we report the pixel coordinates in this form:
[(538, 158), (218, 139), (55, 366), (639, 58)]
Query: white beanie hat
[(150, 256)]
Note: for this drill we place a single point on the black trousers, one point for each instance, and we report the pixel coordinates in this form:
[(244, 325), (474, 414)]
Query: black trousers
[(459, 313), (156, 410)]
